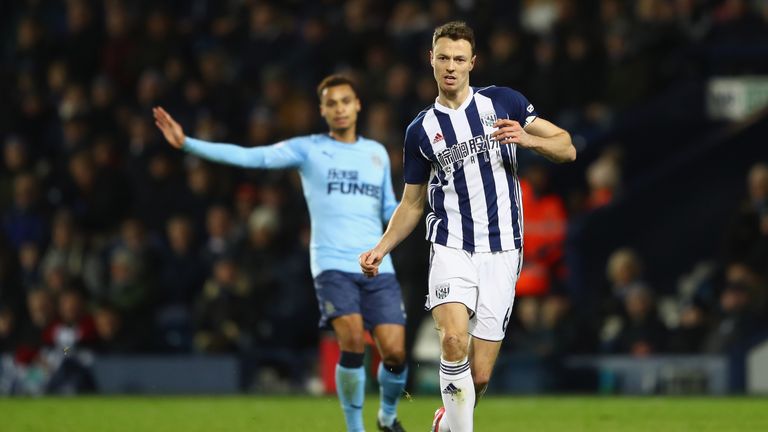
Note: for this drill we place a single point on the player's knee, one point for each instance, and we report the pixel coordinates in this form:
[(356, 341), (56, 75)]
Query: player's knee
[(454, 346), (352, 342), (394, 356)]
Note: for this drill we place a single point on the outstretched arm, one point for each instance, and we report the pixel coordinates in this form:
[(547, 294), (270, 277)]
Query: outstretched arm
[(281, 155), (404, 220), (541, 136)]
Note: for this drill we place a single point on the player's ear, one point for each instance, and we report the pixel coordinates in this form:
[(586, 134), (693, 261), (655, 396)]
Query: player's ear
[(431, 58), (472, 62)]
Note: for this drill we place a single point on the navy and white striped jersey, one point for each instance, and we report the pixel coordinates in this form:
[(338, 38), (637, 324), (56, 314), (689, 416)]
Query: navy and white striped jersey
[(474, 191)]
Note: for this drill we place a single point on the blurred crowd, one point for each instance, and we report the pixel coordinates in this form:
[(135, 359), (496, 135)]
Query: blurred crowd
[(113, 243)]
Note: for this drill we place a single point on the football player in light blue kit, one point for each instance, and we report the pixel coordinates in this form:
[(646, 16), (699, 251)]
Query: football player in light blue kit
[(348, 187)]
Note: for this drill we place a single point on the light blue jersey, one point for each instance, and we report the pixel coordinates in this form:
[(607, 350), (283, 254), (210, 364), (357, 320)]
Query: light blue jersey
[(348, 188)]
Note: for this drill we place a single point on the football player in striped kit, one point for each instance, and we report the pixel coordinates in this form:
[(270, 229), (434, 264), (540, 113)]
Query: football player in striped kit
[(460, 158)]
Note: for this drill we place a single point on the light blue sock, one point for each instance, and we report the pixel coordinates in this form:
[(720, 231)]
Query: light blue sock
[(390, 388), (350, 386)]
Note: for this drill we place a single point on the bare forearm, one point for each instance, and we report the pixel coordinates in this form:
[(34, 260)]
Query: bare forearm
[(401, 225), (557, 148)]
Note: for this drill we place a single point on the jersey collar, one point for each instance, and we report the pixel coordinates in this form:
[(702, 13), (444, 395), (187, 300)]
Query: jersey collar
[(462, 107)]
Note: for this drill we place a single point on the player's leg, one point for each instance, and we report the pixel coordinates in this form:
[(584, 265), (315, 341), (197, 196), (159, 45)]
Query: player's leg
[(392, 374), (452, 297), (350, 373), (383, 310), (482, 357), (496, 294), (339, 299), (457, 387)]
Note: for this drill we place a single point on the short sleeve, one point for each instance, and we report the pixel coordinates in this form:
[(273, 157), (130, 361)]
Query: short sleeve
[(416, 167), (520, 109)]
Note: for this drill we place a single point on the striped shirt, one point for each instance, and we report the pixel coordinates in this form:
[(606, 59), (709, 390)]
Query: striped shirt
[(474, 191)]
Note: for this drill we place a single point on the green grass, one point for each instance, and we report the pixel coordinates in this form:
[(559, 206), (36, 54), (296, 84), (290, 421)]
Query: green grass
[(232, 414)]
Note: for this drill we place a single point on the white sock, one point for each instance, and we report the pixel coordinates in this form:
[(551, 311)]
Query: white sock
[(458, 393)]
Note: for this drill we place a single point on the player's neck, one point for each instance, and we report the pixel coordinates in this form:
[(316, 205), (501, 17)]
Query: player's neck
[(453, 100), (348, 136)]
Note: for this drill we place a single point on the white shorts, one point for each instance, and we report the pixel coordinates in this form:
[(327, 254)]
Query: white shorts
[(483, 281)]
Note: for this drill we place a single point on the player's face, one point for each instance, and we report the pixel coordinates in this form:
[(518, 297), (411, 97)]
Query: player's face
[(339, 106), (452, 60)]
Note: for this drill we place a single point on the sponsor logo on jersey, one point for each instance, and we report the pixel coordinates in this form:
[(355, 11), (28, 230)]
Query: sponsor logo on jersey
[(438, 137), (346, 182), (456, 154), (530, 108)]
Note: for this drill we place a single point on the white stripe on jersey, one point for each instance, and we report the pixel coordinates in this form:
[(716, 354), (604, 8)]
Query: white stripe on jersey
[(504, 204), (451, 202), (474, 180)]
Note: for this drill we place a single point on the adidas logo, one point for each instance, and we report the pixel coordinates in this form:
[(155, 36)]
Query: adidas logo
[(438, 137), (451, 389)]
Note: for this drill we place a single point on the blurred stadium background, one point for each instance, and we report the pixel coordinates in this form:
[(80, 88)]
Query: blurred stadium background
[(129, 268)]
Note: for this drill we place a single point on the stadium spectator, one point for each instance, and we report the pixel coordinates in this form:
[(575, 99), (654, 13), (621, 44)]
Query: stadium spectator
[(68, 343), (224, 309), (112, 336), (128, 287), (28, 373), (641, 333), (9, 331), (746, 239), (604, 178), (16, 159), (156, 185), (545, 229), (24, 221), (180, 280), (29, 265), (741, 310), (69, 249), (692, 330), (625, 272), (220, 234)]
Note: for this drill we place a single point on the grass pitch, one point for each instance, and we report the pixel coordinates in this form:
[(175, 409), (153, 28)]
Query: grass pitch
[(266, 414)]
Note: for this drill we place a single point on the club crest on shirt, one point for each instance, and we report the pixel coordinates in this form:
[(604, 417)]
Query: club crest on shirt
[(442, 290), (488, 118), (329, 308)]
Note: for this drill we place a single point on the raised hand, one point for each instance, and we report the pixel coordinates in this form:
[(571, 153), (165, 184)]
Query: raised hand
[(171, 130)]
